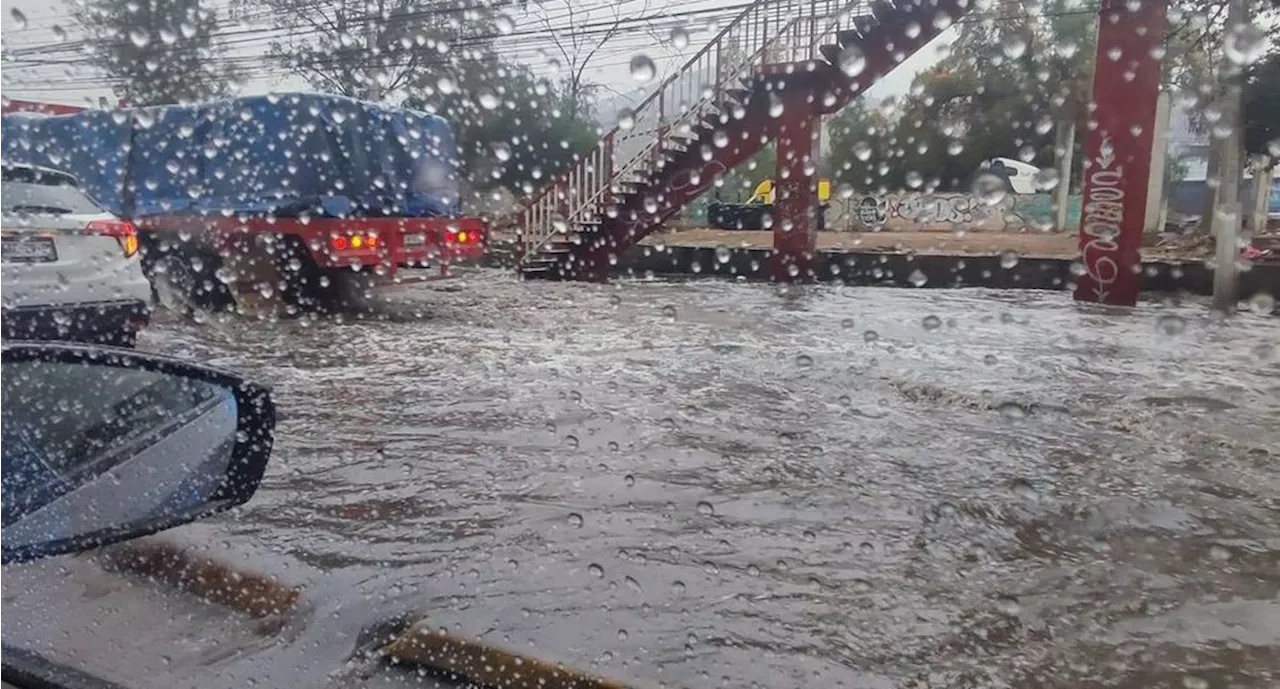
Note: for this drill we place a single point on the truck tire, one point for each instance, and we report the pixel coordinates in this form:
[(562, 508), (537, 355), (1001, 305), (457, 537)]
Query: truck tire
[(186, 280), (308, 288)]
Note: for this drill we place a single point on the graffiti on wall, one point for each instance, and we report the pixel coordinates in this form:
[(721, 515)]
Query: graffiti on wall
[(916, 211)]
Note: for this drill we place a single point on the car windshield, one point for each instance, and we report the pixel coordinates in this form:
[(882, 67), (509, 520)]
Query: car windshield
[(901, 344)]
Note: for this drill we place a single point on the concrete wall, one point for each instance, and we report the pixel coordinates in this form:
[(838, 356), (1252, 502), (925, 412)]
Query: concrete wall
[(947, 212)]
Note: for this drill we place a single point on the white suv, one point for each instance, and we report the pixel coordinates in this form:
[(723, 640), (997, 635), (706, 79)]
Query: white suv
[(70, 270)]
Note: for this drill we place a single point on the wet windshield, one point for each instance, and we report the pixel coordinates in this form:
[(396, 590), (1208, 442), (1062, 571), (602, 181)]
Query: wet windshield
[(893, 343)]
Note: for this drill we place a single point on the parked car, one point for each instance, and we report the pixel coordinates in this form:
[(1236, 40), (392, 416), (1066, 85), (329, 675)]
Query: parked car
[(71, 270)]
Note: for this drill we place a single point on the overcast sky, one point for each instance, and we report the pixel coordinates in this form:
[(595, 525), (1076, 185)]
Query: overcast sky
[(48, 23)]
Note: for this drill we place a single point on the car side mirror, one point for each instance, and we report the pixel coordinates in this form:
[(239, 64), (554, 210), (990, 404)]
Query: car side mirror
[(102, 445)]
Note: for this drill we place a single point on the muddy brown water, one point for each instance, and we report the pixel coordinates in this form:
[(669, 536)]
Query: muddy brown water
[(705, 483)]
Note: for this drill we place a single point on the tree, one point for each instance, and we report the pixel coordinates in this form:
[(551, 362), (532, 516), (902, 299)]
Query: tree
[(513, 130), (373, 49), (156, 51)]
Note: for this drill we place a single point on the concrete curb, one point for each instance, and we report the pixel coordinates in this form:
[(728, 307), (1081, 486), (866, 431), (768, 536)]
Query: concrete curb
[(257, 595), (486, 664), (264, 596)]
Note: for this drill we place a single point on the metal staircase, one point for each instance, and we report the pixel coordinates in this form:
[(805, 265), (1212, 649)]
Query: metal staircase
[(699, 120)]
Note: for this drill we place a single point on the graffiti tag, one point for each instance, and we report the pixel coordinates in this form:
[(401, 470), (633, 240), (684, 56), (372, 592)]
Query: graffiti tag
[(1100, 227)]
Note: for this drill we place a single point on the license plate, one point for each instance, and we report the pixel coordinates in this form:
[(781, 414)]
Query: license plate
[(28, 250), (416, 239)]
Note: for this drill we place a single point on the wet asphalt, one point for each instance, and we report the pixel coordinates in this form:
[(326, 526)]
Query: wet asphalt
[(707, 483)]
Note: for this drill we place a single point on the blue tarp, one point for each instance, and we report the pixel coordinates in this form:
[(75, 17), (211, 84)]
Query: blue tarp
[(288, 155)]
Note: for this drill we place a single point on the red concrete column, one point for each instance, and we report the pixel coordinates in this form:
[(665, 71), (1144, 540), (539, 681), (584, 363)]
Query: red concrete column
[(1117, 149), (795, 195)]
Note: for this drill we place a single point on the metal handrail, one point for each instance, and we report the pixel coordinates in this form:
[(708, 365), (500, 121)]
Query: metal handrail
[(768, 31)]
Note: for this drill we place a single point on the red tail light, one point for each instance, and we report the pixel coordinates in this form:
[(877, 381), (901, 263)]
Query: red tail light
[(463, 237), (356, 241), (122, 230)]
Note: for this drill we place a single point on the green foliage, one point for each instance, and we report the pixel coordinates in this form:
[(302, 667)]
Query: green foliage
[(514, 130), (155, 51), (1261, 102), (1001, 92)]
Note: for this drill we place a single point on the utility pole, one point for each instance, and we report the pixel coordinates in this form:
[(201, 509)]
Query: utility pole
[(1064, 149), (371, 91), (1227, 216)]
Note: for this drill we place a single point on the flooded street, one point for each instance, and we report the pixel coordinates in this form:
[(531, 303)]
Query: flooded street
[(697, 484)]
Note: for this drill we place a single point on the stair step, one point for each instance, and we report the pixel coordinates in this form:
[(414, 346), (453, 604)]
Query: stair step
[(738, 95), (848, 37), (831, 52)]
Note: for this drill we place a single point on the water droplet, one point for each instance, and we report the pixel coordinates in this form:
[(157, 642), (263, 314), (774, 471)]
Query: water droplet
[(1047, 179), (622, 635), (809, 536), (139, 38), (19, 19), (669, 312), (1008, 605), (595, 570), (1245, 43), (931, 322), (446, 85), (1008, 259), (1262, 304), (629, 480), (1170, 324), (642, 68), (1013, 46), (571, 441), (862, 151), (626, 119), (678, 587), (1193, 682), (1219, 552), (776, 106), (504, 24), (1012, 410), (632, 584), (866, 548), (846, 323), (679, 38), (861, 586), (575, 520), (1024, 489), (706, 509), (487, 98), (870, 336), (914, 179), (720, 138), (918, 278), (804, 361), (851, 60), (723, 254)]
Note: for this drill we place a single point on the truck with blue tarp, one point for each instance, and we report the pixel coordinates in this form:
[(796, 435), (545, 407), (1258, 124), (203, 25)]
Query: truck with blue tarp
[(287, 194)]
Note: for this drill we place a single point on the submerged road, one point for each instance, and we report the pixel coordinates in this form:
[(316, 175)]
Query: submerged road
[(714, 484)]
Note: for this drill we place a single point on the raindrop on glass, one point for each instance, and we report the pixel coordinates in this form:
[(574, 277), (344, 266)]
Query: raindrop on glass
[(679, 38), (706, 509), (931, 322), (851, 60), (1170, 324), (642, 68), (575, 520)]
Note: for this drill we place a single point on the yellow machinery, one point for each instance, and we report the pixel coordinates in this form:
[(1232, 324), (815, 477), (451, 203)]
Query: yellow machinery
[(751, 215)]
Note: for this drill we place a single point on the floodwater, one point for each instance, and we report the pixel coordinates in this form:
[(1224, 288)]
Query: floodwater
[(697, 484)]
